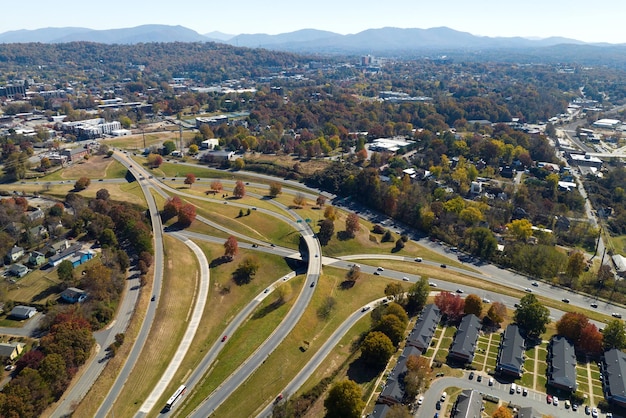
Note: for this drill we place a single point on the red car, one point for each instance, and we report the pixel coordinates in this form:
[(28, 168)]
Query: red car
[(548, 399), (224, 338)]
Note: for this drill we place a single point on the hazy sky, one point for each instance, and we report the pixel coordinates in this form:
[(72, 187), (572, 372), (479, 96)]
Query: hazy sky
[(599, 21)]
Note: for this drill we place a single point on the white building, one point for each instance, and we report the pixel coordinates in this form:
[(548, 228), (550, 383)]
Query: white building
[(210, 143), (607, 123)]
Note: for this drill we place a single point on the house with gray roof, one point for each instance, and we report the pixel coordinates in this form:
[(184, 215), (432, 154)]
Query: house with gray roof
[(614, 368), (425, 327), (23, 312), (511, 354), (562, 364), (464, 344), (11, 350), (15, 253), (468, 404), (18, 270), (73, 295), (393, 392), (380, 411)]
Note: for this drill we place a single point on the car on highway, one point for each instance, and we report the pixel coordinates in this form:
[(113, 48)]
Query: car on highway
[(443, 266), (365, 309), (535, 284), (224, 338), (528, 289), (380, 269), (594, 305), (565, 300), (432, 284), (279, 398), (377, 273), (459, 290), (153, 298), (616, 315), (266, 290), (485, 300), (418, 259), (406, 279), (312, 284)]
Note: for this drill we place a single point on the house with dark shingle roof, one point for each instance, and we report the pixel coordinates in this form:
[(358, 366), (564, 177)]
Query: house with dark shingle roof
[(464, 343), (425, 328), (468, 404), (73, 295), (614, 368), (15, 253), (393, 392), (380, 411), (511, 355), (562, 364), (11, 350), (23, 312)]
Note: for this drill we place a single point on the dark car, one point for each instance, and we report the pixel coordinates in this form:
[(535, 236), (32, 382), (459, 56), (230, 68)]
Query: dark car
[(224, 338), (471, 375), (438, 405), (153, 298), (565, 300), (443, 266), (479, 378), (312, 284)]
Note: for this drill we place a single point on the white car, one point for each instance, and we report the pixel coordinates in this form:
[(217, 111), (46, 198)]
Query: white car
[(594, 412), (555, 401), (420, 400), (432, 284), (485, 300), (406, 279), (380, 269)]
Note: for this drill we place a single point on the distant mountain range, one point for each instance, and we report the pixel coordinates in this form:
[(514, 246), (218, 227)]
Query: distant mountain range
[(384, 41)]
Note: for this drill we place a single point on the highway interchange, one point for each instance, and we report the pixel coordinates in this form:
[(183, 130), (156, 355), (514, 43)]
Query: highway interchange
[(479, 270)]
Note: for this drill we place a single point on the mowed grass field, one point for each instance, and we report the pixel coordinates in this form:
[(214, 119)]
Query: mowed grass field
[(181, 278), (97, 166), (226, 300), (267, 382)]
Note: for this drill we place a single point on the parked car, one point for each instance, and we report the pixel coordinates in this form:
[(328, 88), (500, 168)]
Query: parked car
[(420, 400), (549, 399), (587, 410), (574, 407), (443, 397), (479, 378), (567, 404), (525, 392), (471, 375), (594, 412), (491, 381), (555, 401)]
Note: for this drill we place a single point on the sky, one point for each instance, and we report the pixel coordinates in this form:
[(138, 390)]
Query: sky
[(599, 21)]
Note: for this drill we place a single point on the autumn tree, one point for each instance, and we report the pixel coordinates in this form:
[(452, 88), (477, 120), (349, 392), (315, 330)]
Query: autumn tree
[(473, 305), (591, 340), (190, 179), (352, 224), (395, 291), (575, 265), (154, 160), (330, 213), (417, 295), (299, 200), (344, 400), (377, 349), (614, 335), (216, 186), (231, 247), (521, 229), (502, 412), (418, 369), (240, 189), (186, 215), (172, 207), (45, 164), (275, 189), (321, 201), (354, 273), (532, 316), (326, 232), (451, 306), (82, 183), (392, 327), (497, 312), (571, 325), (103, 194)]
